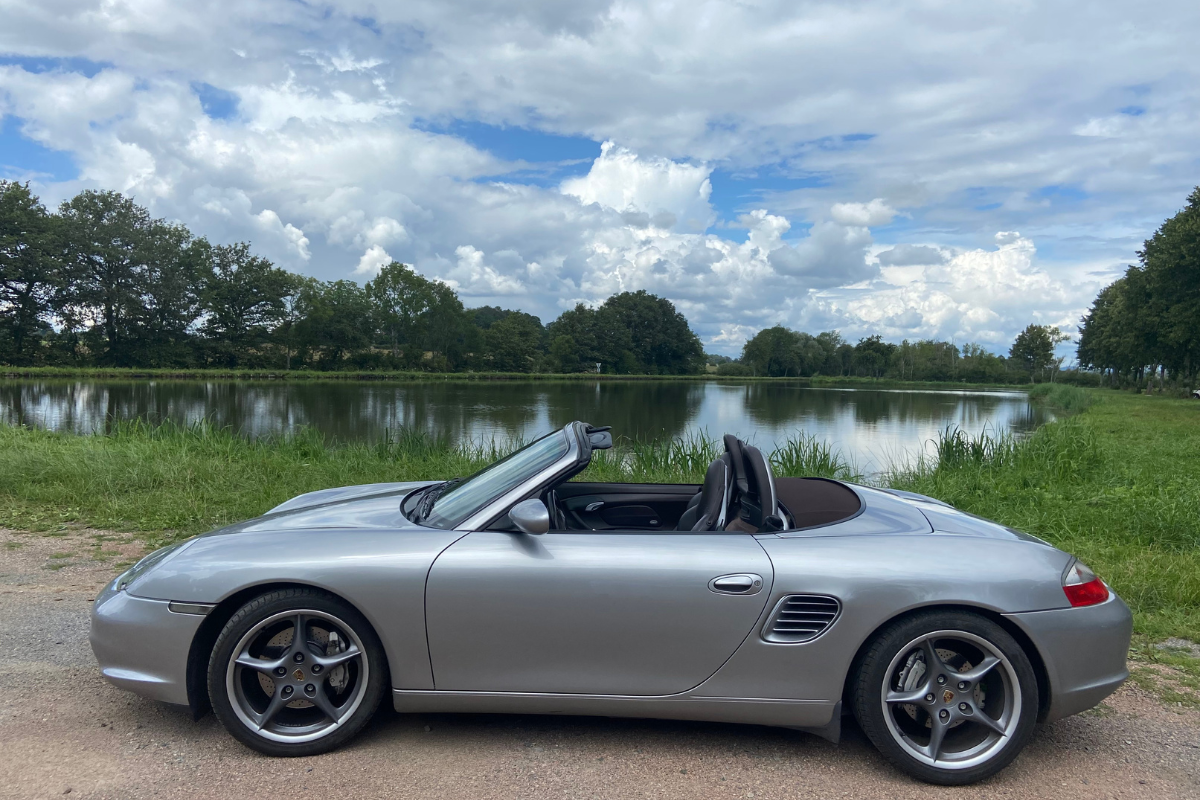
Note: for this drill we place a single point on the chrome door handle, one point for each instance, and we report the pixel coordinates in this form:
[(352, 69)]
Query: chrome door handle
[(593, 506), (741, 583)]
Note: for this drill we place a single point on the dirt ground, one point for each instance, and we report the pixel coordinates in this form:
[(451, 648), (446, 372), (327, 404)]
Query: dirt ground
[(64, 731)]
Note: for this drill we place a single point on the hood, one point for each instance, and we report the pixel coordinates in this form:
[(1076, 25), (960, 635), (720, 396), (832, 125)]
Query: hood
[(368, 506)]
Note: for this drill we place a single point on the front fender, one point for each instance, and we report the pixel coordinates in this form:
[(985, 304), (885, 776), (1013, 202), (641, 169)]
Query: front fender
[(379, 572)]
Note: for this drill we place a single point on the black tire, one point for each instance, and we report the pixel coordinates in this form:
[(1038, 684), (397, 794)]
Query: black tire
[(319, 609), (887, 668)]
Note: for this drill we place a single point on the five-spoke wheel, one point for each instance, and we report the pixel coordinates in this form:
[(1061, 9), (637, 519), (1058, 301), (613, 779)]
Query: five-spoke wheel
[(950, 697), (296, 672)]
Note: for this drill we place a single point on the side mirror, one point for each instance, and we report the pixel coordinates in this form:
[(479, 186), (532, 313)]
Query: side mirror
[(530, 516)]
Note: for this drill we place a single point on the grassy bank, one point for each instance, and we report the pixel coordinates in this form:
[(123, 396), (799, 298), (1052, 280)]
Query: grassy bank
[(171, 481), (1117, 483)]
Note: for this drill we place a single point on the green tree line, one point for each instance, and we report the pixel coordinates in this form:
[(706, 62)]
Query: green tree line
[(100, 282), (781, 352), (1147, 323)]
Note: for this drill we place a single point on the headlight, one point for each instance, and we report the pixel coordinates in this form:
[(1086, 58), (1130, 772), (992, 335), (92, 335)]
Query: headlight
[(148, 563)]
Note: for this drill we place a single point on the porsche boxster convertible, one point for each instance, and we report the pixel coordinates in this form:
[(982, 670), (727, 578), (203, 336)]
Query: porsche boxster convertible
[(748, 599)]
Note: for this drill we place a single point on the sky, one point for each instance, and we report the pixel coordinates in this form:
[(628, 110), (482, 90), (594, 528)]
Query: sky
[(927, 169)]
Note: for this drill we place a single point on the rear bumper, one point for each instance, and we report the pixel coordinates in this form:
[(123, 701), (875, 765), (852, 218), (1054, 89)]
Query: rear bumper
[(1084, 649), (141, 645)]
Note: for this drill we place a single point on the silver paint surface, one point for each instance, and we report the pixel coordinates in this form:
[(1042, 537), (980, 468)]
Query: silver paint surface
[(616, 623), (591, 613)]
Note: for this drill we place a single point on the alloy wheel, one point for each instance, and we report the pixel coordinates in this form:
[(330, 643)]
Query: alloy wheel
[(951, 699), (297, 676)]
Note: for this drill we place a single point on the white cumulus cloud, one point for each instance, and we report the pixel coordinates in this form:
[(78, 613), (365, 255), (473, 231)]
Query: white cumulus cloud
[(372, 261), (869, 214), (657, 191)]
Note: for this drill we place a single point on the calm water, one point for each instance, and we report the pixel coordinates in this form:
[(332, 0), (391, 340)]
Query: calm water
[(872, 427)]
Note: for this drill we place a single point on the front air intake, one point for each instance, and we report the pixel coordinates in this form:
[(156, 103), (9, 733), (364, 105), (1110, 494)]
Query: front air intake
[(801, 618)]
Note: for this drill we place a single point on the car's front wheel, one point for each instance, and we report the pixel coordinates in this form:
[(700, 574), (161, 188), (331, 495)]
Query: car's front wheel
[(949, 697), (296, 672)]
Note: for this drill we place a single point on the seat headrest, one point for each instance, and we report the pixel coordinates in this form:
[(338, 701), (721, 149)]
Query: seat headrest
[(753, 479), (714, 496)]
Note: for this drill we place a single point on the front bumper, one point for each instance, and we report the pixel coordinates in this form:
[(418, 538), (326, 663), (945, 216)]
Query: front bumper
[(1084, 649), (141, 645)]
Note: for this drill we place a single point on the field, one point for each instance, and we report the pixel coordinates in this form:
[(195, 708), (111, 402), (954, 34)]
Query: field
[(1117, 482)]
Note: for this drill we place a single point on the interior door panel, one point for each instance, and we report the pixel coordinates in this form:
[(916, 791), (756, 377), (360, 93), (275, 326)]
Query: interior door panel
[(589, 613), (612, 506)]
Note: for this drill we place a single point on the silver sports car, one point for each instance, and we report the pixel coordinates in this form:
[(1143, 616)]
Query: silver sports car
[(750, 598)]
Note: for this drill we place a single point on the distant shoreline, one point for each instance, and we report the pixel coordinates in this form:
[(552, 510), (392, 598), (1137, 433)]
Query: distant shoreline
[(369, 376)]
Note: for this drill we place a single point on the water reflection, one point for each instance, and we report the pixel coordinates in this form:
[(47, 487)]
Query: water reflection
[(870, 426)]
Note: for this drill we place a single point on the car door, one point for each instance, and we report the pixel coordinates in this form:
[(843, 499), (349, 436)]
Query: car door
[(612, 612)]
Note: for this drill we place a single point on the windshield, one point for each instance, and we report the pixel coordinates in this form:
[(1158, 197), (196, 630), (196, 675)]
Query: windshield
[(460, 500)]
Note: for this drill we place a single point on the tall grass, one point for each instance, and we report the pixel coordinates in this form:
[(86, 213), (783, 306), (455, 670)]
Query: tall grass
[(807, 456), (1118, 486), (176, 480), (685, 460), (1070, 398)]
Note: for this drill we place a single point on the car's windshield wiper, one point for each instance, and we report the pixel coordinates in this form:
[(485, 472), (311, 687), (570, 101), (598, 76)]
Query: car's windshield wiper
[(432, 494)]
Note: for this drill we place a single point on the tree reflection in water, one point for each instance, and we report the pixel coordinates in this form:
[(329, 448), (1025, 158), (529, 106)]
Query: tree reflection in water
[(870, 427)]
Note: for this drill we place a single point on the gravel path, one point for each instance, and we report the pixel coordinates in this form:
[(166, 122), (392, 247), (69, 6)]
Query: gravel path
[(63, 730)]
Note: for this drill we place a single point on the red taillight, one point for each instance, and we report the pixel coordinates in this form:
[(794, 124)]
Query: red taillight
[(1082, 587)]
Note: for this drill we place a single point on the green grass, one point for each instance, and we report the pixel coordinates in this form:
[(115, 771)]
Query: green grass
[(1072, 399), (171, 481), (1117, 482), (1117, 485)]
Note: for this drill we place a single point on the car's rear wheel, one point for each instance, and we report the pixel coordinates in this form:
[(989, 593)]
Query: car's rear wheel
[(949, 697), (296, 672)]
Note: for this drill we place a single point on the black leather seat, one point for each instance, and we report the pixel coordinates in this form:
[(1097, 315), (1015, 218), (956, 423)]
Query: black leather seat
[(738, 493), (706, 511)]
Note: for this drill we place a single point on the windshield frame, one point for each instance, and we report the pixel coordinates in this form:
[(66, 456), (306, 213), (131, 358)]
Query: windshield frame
[(498, 505)]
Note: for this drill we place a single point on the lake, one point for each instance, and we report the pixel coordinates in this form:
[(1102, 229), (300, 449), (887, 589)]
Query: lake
[(872, 427)]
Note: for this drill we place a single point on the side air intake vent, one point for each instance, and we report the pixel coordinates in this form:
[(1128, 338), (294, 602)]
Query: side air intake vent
[(801, 618)]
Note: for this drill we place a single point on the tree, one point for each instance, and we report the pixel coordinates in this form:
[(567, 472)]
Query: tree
[(564, 355), (291, 329), (575, 340), (871, 356), (982, 366), (486, 316), (336, 319), (660, 342), (29, 272), (1149, 316), (773, 352), (443, 328), (1171, 267), (402, 297), (831, 343), (246, 298), (513, 343), (104, 235), (1033, 349), (169, 280)]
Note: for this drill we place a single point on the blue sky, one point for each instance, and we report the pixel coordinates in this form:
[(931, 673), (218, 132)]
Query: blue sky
[(22, 157), (928, 171)]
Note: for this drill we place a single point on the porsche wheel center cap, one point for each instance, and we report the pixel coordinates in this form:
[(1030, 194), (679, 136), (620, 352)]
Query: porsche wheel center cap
[(947, 696), (299, 675)]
